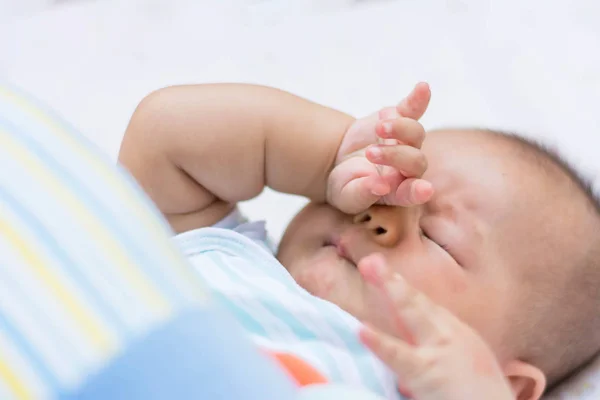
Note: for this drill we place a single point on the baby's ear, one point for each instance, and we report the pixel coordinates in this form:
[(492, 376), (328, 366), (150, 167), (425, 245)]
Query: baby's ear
[(527, 382)]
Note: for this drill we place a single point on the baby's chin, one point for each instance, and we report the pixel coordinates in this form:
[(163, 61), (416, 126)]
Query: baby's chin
[(328, 276)]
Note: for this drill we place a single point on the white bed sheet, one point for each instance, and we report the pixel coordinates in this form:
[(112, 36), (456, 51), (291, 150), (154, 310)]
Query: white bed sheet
[(531, 66)]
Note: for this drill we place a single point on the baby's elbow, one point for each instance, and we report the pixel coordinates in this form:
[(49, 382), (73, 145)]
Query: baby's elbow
[(147, 124), (142, 137), (152, 114)]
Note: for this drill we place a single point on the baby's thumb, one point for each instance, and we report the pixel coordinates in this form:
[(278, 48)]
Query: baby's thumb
[(355, 185), (415, 104), (359, 194), (412, 192)]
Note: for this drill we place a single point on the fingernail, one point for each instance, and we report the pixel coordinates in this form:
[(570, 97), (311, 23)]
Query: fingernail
[(375, 152), (395, 285), (372, 269), (380, 190), (398, 278), (422, 189), (366, 335), (379, 266), (387, 129)]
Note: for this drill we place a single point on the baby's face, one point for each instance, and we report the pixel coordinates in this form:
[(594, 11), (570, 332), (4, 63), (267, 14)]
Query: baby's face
[(452, 249)]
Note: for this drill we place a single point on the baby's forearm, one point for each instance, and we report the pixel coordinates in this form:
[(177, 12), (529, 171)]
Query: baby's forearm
[(192, 146)]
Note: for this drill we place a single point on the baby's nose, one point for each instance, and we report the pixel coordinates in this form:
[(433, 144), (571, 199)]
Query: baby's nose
[(382, 223)]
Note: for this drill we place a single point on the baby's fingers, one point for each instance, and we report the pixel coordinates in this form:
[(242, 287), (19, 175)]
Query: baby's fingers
[(405, 130), (417, 319), (412, 106), (412, 192), (399, 356), (354, 185), (408, 160), (415, 104), (359, 193)]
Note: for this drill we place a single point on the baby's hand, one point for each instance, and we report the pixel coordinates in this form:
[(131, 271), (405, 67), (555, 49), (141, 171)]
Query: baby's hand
[(434, 354), (370, 171)]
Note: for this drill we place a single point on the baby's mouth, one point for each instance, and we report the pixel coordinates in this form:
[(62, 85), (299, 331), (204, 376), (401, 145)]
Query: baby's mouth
[(340, 249)]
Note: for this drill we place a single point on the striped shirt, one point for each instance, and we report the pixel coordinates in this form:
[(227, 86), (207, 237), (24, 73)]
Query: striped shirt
[(237, 266)]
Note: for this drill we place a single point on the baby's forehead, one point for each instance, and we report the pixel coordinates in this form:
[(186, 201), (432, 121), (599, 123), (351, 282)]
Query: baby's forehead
[(471, 166), (509, 186), (469, 140), (542, 207), (476, 156)]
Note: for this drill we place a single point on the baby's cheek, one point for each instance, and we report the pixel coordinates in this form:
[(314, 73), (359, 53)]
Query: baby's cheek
[(317, 280)]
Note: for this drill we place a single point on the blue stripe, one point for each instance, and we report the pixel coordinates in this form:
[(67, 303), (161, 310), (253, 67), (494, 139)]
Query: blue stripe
[(45, 322), (349, 339), (33, 358), (242, 317), (67, 265), (299, 329), (226, 240), (102, 215)]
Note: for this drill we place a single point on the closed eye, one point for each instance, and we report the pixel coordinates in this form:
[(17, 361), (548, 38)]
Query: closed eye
[(448, 249), (426, 236)]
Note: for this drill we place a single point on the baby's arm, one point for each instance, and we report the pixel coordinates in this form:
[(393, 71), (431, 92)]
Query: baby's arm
[(197, 150)]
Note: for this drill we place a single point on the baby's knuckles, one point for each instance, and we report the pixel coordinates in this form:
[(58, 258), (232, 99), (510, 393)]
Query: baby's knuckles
[(427, 371), (445, 338), (406, 131), (358, 136), (405, 296), (438, 376)]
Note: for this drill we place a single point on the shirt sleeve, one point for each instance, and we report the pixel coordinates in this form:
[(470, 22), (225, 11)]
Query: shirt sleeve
[(255, 230)]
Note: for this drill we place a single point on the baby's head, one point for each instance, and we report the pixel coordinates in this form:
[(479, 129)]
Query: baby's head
[(510, 243)]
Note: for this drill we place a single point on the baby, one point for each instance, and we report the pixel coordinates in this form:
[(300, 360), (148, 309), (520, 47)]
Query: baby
[(467, 261)]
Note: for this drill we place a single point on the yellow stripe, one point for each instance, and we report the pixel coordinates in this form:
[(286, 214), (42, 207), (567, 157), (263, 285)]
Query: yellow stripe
[(93, 225), (99, 336), (126, 195), (14, 384)]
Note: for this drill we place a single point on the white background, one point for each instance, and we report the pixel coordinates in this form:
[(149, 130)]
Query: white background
[(531, 66)]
